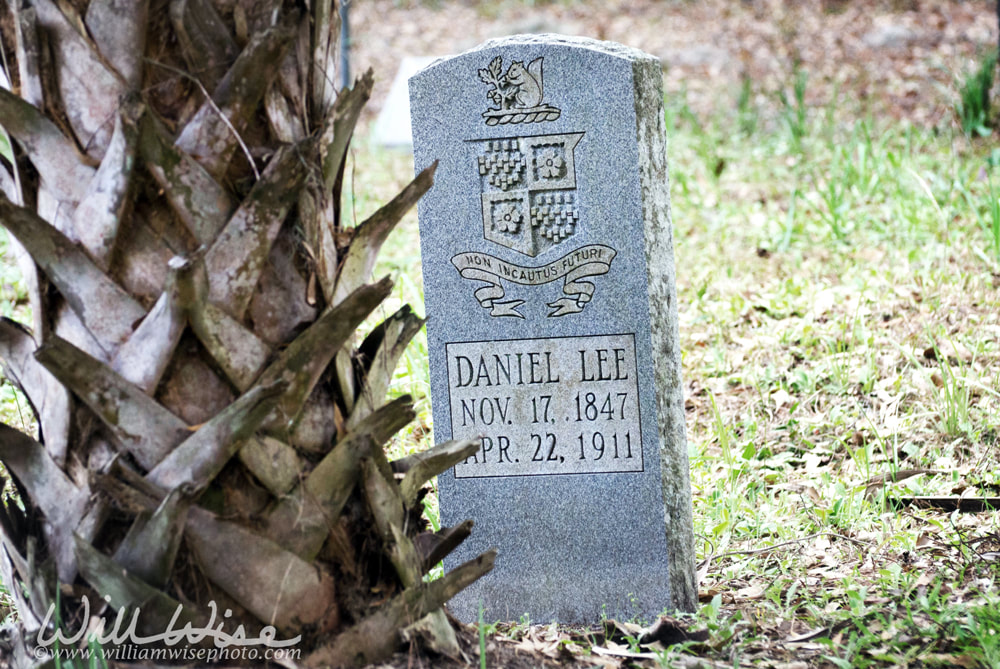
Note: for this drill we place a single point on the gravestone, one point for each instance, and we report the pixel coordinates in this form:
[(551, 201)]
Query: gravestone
[(392, 127), (548, 266)]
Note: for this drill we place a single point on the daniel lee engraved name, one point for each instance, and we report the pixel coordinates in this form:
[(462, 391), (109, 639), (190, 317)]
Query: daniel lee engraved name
[(561, 405)]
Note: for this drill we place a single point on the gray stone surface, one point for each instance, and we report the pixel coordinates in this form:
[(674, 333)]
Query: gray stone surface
[(552, 327), (392, 127), (890, 36)]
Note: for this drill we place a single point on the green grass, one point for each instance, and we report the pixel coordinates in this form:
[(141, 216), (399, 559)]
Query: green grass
[(846, 251), (14, 407), (839, 259), (973, 108)]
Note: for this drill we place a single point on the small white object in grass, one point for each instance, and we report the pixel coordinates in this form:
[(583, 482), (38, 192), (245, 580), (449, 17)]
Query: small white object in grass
[(781, 397)]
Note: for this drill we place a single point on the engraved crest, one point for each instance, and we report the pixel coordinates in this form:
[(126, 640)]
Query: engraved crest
[(528, 198), (529, 205), (518, 94)]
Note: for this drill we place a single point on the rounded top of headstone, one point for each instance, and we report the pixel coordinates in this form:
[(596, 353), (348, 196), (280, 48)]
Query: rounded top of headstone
[(556, 40)]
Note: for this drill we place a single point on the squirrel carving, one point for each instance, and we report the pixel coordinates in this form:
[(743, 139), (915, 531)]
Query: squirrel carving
[(523, 87)]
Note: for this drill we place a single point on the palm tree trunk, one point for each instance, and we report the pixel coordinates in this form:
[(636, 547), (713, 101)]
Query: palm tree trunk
[(211, 428)]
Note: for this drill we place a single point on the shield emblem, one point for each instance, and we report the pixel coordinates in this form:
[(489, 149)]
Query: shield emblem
[(529, 191)]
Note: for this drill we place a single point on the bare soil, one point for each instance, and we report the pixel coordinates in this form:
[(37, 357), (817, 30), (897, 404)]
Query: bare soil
[(899, 58)]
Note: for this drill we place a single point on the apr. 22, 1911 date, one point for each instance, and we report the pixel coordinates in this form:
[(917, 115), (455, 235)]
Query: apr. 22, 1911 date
[(566, 405)]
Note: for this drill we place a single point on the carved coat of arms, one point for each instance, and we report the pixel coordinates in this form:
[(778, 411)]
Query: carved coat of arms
[(529, 200), (529, 186)]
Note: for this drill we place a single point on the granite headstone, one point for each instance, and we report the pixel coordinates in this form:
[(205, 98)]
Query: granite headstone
[(548, 266)]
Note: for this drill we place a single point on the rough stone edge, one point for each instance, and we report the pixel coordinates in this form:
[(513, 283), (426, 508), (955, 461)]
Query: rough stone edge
[(654, 181)]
